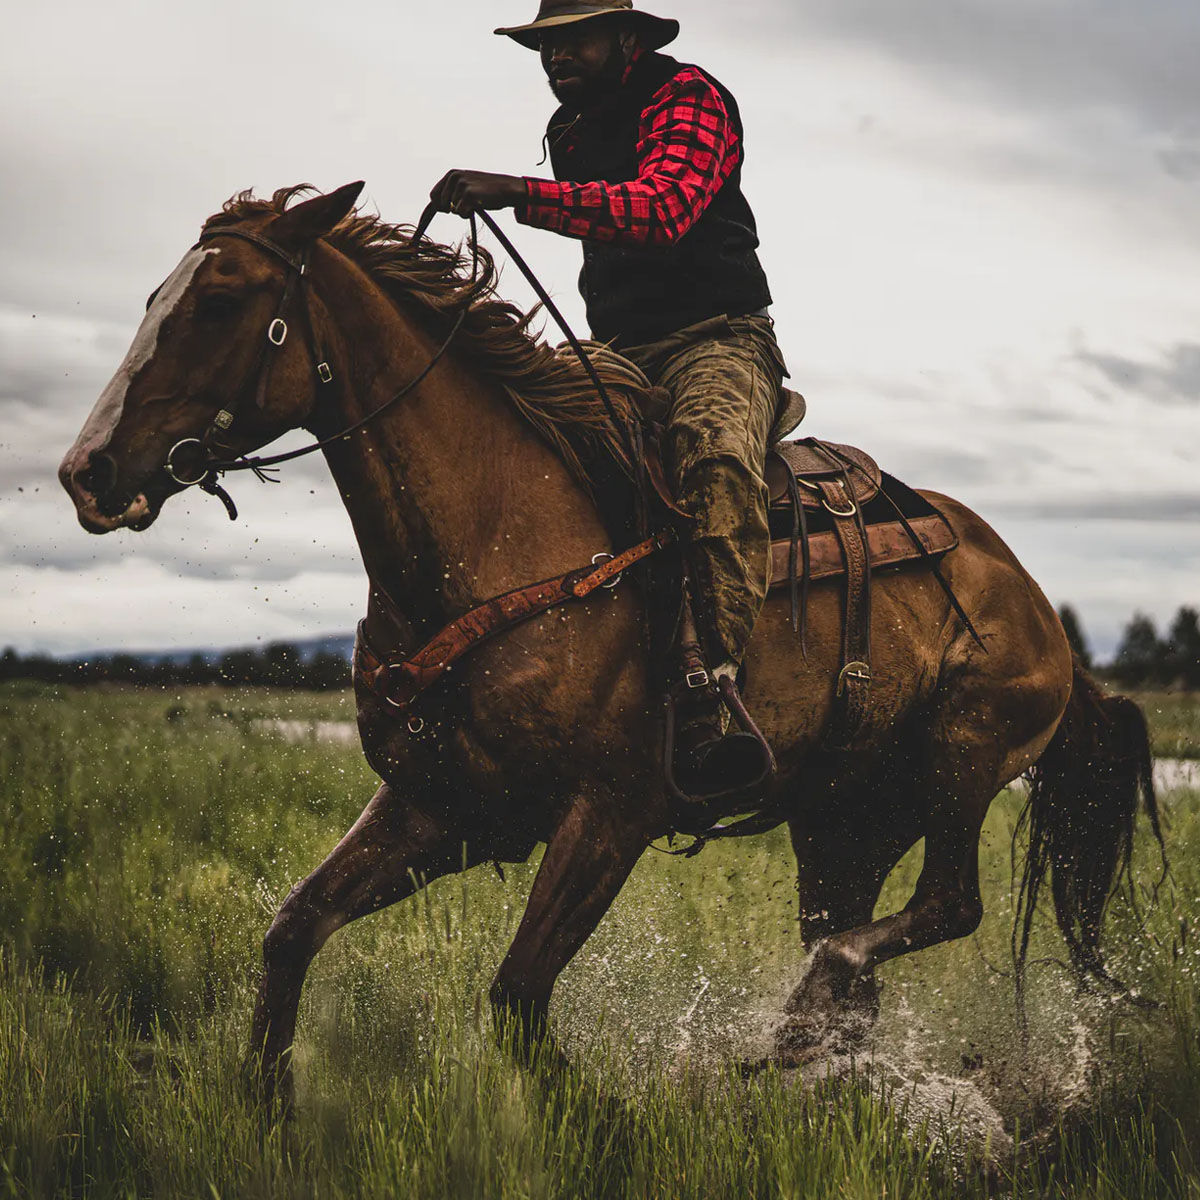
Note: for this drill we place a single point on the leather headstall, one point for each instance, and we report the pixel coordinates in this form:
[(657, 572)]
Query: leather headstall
[(213, 446)]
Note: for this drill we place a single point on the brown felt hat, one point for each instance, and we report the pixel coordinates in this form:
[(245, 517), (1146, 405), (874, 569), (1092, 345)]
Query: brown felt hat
[(656, 31)]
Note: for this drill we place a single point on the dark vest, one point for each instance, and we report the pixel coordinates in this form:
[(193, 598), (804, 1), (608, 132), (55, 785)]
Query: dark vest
[(640, 294)]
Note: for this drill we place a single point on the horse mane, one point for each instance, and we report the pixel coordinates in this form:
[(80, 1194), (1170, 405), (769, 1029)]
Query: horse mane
[(549, 389)]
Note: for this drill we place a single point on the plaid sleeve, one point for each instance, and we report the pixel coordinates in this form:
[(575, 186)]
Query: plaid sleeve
[(687, 149)]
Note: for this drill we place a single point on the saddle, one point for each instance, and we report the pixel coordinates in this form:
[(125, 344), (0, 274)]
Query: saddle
[(833, 513)]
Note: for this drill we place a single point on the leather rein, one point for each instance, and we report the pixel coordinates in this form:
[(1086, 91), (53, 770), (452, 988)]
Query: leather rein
[(400, 683)]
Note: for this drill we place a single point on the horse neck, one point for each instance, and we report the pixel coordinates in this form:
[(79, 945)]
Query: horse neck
[(452, 496)]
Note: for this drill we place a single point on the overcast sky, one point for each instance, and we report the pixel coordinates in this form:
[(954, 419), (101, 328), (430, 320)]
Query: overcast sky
[(979, 218)]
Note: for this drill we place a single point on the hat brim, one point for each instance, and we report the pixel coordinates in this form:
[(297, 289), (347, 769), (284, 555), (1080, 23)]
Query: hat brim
[(656, 31)]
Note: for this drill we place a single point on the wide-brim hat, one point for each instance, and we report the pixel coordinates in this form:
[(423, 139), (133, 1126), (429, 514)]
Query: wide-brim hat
[(655, 32)]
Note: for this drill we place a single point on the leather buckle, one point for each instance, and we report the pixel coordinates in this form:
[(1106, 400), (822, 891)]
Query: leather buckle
[(696, 679), (324, 374), (604, 557), (853, 670), (837, 512)]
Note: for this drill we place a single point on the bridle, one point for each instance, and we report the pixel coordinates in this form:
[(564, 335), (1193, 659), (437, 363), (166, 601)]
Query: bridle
[(207, 473)]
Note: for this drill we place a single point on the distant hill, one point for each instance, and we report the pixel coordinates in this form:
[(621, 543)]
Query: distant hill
[(314, 663), (307, 648)]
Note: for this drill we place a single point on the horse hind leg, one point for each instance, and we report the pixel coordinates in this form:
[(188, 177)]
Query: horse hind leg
[(995, 720), (836, 1000), (839, 878), (392, 850)]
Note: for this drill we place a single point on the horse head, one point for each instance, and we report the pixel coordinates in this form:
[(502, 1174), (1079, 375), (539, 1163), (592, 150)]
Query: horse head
[(211, 373)]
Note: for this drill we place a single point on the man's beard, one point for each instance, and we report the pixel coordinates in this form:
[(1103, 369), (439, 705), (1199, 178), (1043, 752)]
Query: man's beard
[(579, 93)]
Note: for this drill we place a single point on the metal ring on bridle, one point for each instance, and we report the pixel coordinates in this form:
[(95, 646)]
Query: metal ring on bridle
[(170, 466), (277, 332)]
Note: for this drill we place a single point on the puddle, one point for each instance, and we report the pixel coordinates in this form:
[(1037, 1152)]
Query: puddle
[(1170, 774)]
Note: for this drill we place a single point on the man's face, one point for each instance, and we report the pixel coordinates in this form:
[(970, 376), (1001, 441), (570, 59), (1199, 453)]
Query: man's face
[(585, 61)]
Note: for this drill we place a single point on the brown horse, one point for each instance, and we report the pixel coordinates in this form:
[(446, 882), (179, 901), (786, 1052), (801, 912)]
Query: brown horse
[(470, 486)]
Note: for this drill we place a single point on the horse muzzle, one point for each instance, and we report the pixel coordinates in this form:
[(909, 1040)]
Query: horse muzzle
[(92, 480)]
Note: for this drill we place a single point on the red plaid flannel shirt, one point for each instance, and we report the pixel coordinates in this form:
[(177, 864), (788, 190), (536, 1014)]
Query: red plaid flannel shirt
[(687, 149)]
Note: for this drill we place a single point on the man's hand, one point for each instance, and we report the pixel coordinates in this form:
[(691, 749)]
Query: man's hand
[(465, 192)]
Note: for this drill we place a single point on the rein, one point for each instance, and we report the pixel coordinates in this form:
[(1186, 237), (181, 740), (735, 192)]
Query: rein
[(207, 473)]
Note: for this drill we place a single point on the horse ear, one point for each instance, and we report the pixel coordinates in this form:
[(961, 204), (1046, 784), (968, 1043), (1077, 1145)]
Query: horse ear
[(316, 217)]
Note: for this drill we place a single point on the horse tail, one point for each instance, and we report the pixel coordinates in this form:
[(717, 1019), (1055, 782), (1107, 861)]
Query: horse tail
[(1084, 796)]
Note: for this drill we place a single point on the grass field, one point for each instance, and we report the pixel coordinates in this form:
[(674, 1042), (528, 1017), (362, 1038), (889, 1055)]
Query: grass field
[(148, 838), (1175, 719)]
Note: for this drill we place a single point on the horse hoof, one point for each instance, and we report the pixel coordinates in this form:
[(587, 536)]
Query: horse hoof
[(801, 1041), (271, 1092)]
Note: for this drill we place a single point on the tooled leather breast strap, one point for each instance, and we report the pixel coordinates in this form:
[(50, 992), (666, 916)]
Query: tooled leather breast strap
[(400, 683)]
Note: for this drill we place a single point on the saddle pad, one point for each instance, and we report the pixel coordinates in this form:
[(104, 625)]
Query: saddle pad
[(814, 462), (889, 543)]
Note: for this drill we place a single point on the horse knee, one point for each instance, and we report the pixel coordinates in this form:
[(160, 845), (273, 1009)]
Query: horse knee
[(298, 931)]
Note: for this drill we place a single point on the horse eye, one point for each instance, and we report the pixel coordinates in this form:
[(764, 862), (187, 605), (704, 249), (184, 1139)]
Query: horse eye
[(216, 304)]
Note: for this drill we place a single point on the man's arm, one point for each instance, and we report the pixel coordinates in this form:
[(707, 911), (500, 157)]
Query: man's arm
[(687, 151)]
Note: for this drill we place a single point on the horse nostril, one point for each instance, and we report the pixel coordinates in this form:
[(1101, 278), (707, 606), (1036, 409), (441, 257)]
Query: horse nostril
[(99, 476)]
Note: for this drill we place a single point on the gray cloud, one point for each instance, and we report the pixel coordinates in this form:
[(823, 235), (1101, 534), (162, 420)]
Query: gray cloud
[(1179, 154), (1155, 507), (1073, 54), (129, 134), (1175, 379)]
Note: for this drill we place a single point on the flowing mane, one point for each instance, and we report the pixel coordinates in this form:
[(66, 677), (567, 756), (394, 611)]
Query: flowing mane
[(549, 389)]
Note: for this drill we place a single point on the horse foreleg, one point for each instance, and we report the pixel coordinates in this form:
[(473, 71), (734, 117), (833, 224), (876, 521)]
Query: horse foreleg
[(392, 850), (586, 862)]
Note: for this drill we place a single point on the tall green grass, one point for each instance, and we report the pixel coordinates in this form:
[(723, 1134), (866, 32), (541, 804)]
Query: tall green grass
[(1174, 720), (149, 837)]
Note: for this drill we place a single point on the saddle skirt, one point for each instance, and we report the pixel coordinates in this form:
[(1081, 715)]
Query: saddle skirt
[(853, 473)]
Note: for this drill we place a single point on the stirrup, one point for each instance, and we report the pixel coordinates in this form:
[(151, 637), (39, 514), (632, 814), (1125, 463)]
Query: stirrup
[(697, 806)]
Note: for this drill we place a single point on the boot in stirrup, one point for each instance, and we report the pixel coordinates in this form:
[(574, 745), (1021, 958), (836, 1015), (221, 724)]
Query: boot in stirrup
[(709, 761)]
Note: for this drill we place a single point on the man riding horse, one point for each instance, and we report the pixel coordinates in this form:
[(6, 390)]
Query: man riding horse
[(647, 155)]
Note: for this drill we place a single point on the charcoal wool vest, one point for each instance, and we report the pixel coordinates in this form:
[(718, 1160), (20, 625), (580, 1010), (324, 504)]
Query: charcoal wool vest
[(637, 294)]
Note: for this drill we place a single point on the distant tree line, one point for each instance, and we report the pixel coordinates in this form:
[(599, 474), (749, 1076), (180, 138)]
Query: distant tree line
[(1144, 659), (279, 664)]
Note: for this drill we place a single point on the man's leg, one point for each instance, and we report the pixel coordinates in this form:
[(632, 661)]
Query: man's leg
[(725, 393), (725, 388)]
